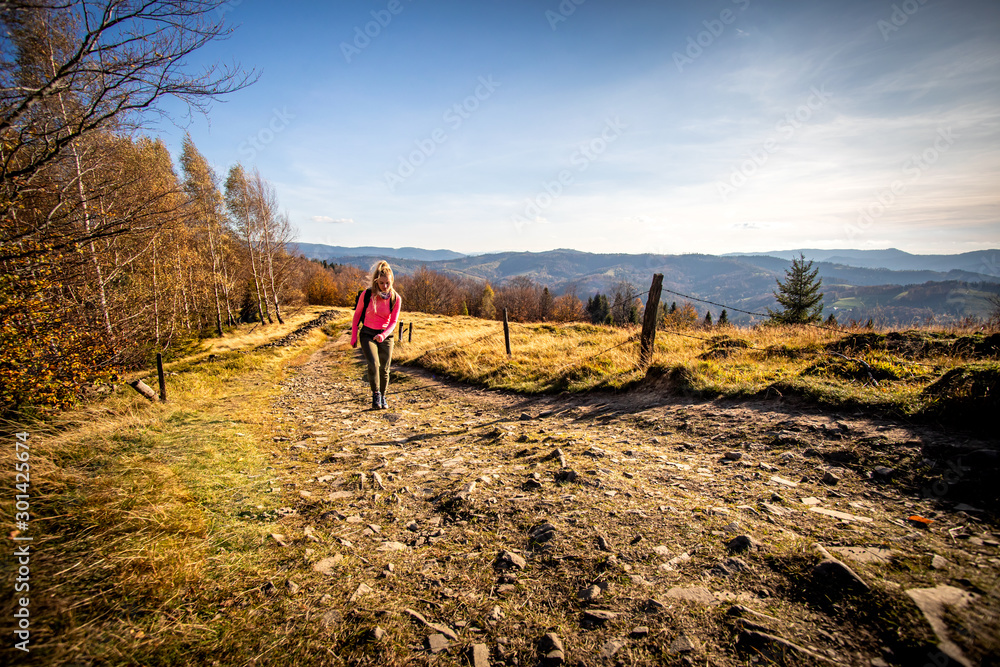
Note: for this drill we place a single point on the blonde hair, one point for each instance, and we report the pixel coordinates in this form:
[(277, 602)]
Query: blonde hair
[(379, 270)]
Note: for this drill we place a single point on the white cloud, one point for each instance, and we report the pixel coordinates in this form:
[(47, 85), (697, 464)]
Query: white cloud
[(337, 221)]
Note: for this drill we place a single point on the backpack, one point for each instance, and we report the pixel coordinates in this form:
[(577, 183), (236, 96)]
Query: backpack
[(368, 299)]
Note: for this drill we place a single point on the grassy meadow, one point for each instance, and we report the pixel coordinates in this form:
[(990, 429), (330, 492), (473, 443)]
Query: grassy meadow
[(929, 372), (147, 517)]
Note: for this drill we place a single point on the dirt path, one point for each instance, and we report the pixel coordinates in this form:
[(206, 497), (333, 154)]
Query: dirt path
[(637, 528)]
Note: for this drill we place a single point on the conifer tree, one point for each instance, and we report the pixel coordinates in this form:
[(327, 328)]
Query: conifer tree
[(799, 295), (487, 307), (723, 318)]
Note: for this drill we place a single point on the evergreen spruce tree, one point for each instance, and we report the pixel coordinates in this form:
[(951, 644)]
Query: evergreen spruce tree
[(799, 295), (708, 318), (723, 318), (599, 309)]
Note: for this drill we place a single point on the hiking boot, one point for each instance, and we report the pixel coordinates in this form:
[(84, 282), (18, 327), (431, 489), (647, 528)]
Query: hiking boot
[(385, 403), (376, 401)]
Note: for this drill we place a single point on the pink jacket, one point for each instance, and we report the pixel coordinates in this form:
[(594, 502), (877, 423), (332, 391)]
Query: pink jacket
[(378, 317)]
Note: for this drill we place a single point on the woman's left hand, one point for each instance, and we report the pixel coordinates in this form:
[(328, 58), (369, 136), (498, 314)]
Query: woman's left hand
[(379, 338)]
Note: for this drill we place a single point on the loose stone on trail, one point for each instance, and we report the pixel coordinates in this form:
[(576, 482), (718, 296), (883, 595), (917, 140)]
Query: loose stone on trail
[(508, 560)]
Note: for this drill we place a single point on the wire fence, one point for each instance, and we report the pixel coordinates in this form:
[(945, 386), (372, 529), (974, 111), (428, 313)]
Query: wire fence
[(713, 340)]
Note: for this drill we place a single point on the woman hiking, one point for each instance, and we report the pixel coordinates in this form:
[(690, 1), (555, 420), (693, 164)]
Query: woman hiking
[(376, 315)]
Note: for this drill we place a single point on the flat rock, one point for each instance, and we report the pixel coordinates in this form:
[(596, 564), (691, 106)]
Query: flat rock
[(589, 594), (883, 473), (939, 562), (864, 554), (362, 590), (639, 632), (675, 561), (843, 516), (831, 570), (598, 616), (684, 644), (542, 533), (479, 655), (328, 565), (783, 481), (566, 475), (507, 560), (729, 567), (440, 627), (437, 643), (695, 594), (550, 647), (745, 612), (773, 510), (611, 647), (933, 603), (392, 546)]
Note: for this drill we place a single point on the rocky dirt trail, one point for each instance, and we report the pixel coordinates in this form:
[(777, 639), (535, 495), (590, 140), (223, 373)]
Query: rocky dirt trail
[(464, 526)]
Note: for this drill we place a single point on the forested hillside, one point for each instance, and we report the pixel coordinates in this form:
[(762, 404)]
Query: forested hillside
[(107, 253)]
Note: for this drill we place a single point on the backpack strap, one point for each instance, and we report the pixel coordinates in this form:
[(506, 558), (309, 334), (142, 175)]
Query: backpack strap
[(367, 293)]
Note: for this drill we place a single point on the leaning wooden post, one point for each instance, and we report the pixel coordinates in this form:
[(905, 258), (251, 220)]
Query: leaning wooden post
[(143, 389), (159, 374), (409, 338), (506, 332), (649, 321)]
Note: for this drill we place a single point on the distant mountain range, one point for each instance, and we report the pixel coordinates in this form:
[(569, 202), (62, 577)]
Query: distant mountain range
[(980, 261), (888, 285), (320, 251)]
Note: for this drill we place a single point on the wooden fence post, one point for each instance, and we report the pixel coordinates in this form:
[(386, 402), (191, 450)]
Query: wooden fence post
[(649, 321), (506, 332), (410, 337), (143, 389), (159, 374)]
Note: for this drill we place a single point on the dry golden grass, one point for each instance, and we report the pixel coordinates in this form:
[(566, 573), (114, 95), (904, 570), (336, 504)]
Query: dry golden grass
[(149, 518), (818, 363), (139, 512)]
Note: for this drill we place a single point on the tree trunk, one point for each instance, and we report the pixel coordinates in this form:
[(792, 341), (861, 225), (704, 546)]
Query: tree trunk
[(156, 299), (215, 278)]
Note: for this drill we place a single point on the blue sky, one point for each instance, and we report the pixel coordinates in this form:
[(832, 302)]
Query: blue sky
[(669, 127)]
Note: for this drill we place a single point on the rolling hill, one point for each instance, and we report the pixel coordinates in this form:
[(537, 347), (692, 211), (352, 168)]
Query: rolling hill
[(940, 288)]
